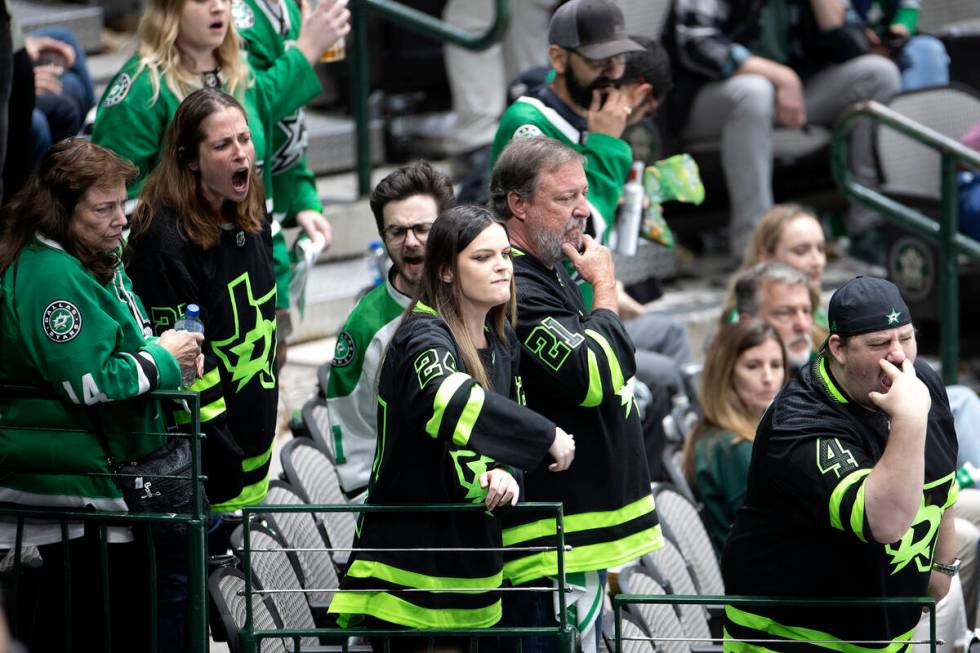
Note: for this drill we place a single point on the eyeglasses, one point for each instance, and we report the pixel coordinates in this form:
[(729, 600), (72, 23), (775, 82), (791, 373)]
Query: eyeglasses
[(396, 233), (598, 65)]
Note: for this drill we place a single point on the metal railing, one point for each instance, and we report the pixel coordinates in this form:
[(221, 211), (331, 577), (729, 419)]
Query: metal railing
[(944, 233), (620, 600), (250, 638), (414, 21), (195, 523)]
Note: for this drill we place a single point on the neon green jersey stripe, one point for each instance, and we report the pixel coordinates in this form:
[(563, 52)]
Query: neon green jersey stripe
[(382, 571), (838, 495), (825, 379), (391, 608), (470, 413), (857, 513), (208, 413), (209, 380), (422, 308), (250, 495), (593, 396), (601, 555), (615, 371), (767, 625), (256, 461), (467, 419), (444, 395), (581, 522)]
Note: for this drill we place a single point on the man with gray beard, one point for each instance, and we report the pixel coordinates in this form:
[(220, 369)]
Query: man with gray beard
[(578, 369), (778, 294)]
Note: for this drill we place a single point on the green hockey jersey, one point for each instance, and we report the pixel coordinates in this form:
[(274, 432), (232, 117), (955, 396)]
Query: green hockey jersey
[(608, 159), (438, 432), (351, 392), (91, 344), (233, 283), (266, 27), (579, 371)]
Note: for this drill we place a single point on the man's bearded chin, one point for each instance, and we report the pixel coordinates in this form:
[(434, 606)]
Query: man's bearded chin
[(582, 94)]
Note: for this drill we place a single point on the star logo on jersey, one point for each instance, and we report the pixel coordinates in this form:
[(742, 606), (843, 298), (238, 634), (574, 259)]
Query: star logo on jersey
[(118, 91), (893, 317), (916, 544), (251, 351), (297, 138), (469, 472), (343, 353), (626, 395), (242, 15), (61, 321)]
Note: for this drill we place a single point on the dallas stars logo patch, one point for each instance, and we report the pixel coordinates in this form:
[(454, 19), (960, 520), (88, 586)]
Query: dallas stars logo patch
[(242, 15), (893, 317), (526, 131), (119, 90), (343, 353), (61, 321)]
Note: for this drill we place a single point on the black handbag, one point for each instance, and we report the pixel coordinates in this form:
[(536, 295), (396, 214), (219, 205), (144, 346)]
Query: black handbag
[(160, 482)]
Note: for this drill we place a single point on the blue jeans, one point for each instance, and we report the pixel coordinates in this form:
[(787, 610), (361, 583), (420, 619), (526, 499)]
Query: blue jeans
[(537, 610), (57, 117), (970, 204), (923, 62)]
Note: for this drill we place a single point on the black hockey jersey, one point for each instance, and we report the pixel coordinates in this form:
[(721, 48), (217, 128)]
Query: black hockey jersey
[(235, 287), (578, 371), (438, 431)]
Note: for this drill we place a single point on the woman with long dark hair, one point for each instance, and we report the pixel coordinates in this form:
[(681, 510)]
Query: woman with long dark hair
[(200, 237), (450, 416), (743, 370)]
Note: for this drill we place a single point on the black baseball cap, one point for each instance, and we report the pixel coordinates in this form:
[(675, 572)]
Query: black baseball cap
[(593, 28), (866, 304)]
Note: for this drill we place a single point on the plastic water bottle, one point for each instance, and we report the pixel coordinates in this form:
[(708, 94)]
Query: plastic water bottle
[(377, 262), (191, 322), (631, 213)]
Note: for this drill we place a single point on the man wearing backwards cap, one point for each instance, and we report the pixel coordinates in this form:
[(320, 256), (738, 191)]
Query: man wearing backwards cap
[(852, 472)]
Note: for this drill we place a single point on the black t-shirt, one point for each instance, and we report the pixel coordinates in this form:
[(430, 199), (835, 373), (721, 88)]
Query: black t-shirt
[(803, 531)]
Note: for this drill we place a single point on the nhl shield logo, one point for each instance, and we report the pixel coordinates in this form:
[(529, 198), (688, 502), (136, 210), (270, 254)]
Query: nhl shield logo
[(61, 321)]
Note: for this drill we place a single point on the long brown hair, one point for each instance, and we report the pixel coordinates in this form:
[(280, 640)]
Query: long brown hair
[(723, 409), (451, 233), (162, 58), (46, 205), (174, 185)]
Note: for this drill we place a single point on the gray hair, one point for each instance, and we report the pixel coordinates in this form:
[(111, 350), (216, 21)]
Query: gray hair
[(749, 283), (520, 165)]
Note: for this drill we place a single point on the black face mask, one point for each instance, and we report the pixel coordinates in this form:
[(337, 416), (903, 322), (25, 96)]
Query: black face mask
[(580, 93)]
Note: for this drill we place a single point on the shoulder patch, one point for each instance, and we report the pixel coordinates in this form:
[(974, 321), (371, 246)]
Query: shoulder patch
[(120, 89), (61, 321), (242, 15), (343, 353), (527, 131)]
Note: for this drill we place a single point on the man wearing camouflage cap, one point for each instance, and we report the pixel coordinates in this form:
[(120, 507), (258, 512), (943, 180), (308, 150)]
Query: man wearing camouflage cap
[(852, 474)]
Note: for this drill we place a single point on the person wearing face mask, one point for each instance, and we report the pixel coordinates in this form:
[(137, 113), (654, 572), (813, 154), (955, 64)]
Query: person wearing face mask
[(743, 370), (200, 236), (852, 476), (405, 206), (450, 416)]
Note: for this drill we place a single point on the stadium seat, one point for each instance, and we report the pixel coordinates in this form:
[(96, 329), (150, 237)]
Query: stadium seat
[(680, 520), (300, 530), (227, 587), (660, 619), (316, 419), (635, 638), (312, 474), (677, 576)]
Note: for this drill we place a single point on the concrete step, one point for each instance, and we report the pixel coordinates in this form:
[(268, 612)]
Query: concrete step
[(84, 20)]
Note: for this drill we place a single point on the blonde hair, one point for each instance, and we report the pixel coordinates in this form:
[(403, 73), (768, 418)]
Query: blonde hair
[(762, 246), (723, 409), (162, 58)]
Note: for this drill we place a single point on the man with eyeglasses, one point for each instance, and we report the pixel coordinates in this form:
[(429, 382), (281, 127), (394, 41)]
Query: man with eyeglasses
[(405, 204)]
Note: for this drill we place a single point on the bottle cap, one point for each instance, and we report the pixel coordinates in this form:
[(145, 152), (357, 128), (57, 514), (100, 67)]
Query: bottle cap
[(193, 310)]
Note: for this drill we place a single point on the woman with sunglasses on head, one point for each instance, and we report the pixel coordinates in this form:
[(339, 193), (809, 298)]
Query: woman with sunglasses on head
[(450, 416)]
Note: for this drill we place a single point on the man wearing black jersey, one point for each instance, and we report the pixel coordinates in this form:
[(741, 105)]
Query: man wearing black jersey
[(852, 473), (578, 370)]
